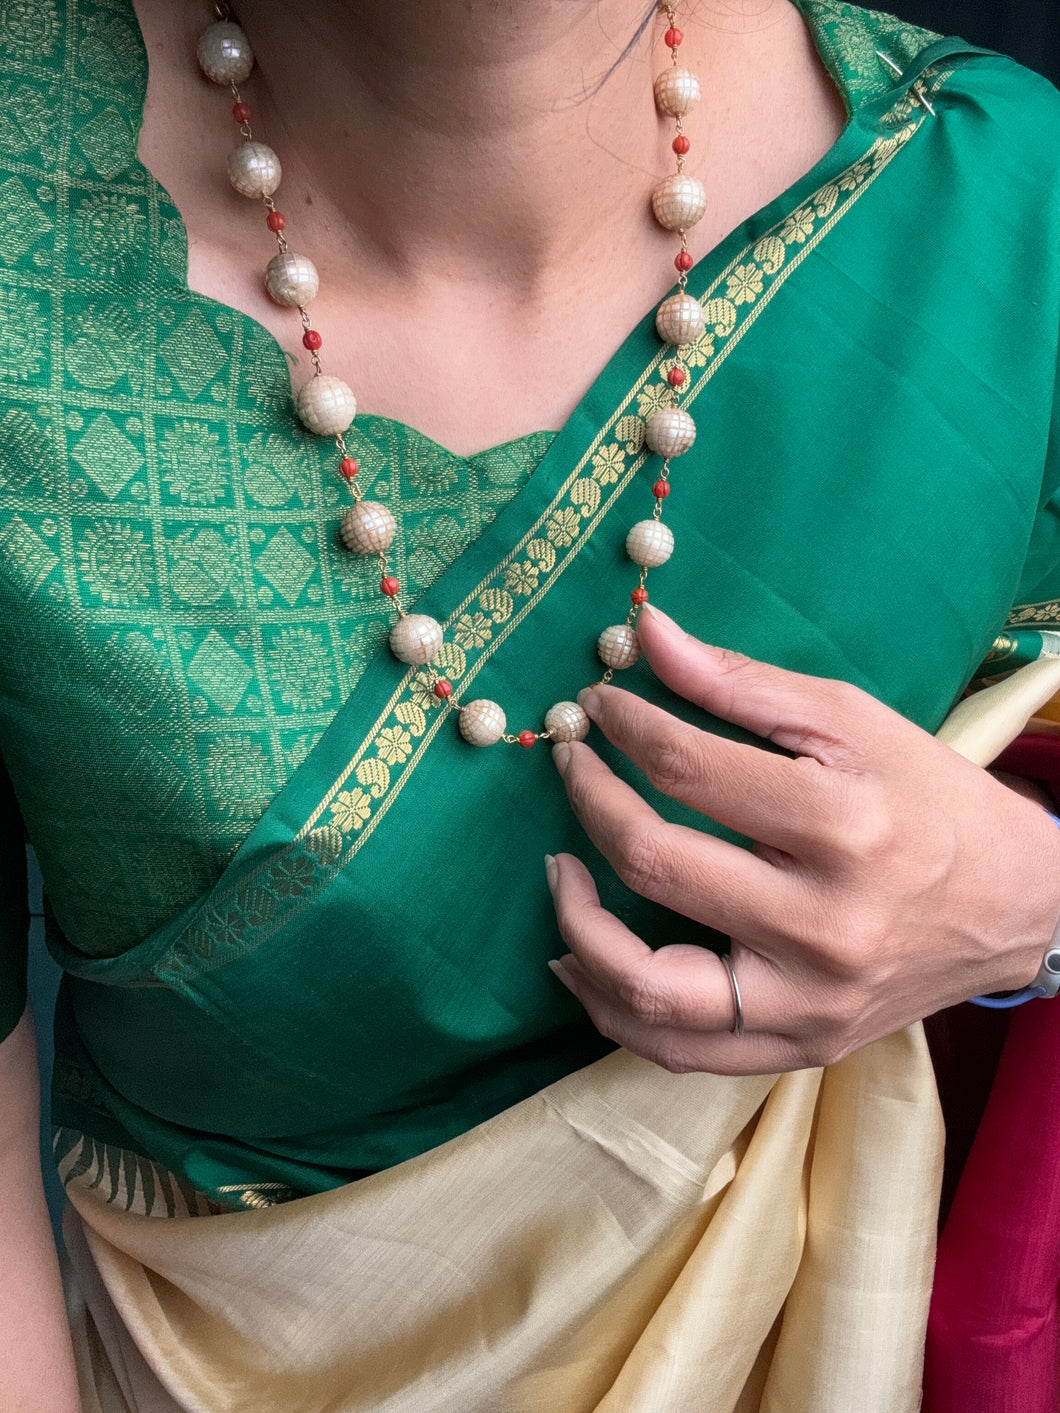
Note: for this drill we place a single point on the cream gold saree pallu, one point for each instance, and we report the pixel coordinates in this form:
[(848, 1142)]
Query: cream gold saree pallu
[(626, 1241)]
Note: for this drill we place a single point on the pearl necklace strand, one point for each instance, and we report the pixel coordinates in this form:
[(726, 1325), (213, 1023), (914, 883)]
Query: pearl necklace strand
[(326, 406)]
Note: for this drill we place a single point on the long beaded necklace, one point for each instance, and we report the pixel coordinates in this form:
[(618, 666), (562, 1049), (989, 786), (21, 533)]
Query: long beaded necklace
[(326, 406)]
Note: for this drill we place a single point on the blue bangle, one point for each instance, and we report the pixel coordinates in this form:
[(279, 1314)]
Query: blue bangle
[(1046, 984)]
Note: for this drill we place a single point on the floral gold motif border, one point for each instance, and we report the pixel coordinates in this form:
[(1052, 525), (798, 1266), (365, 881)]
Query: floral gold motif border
[(234, 920), (1033, 615)]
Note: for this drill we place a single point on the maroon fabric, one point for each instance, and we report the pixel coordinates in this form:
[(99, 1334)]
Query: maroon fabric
[(1035, 758), (994, 1332), (966, 1044)]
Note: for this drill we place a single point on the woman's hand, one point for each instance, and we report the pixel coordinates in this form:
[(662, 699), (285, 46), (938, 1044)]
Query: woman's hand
[(891, 877)]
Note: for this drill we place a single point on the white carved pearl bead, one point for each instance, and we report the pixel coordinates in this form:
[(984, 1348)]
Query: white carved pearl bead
[(618, 646), (650, 543), (566, 722), (254, 169), (415, 638), (367, 528), (482, 722), (291, 280), (326, 405), (677, 92), (670, 432), (679, 202), (680, 319), (224, 54)]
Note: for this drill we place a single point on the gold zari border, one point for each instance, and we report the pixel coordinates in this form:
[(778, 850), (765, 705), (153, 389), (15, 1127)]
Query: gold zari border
[(1041, 616)]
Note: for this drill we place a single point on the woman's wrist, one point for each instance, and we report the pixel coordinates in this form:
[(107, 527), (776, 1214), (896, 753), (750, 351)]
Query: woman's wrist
[(1046, 984)]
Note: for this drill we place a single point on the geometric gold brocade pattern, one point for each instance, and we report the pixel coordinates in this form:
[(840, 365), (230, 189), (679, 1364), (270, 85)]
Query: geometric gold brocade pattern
[(178, 624)]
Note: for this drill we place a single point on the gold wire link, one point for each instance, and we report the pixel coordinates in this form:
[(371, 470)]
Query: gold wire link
[(664, 475), (675, 393), (343, 450), (384, 573), (314, 354), (434, 677), (679, 130), (281, 238)]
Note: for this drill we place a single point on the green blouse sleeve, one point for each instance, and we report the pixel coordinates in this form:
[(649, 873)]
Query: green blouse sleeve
[(14, 910)]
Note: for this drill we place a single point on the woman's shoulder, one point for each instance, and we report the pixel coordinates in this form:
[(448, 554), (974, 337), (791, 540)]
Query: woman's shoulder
[(1017, 100), (1000, 149), (986, 99)]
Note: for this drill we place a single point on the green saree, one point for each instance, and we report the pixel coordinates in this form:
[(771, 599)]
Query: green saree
[(303, 926)]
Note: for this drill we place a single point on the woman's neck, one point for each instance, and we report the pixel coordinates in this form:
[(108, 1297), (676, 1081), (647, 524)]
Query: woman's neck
[(478, 196), (479, 134)]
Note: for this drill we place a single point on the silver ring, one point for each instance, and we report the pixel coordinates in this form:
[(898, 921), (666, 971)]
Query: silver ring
[(737, 1004)]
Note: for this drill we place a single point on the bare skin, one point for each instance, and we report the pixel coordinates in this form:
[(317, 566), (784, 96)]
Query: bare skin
[(480, 225), (36, 1359)]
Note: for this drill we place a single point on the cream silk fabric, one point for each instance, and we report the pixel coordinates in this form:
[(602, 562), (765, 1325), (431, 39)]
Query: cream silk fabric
[(626, 1241)]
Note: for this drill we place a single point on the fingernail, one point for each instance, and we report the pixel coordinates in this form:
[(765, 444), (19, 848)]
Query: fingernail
[(558, 970), (589, 701), (657, 616), (561, 756), (551, 871)]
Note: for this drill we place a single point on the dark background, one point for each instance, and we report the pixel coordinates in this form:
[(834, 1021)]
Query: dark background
[(1029, 30)]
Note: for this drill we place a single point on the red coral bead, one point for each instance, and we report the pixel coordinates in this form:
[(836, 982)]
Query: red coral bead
[(681, 144), (676, 377), (526, 739), (673, 37), (443, 689), (312, 340), (661, 490), (348, 467), (639, 596), (389, 586), (684, 261), (241, 112), (276, 221)]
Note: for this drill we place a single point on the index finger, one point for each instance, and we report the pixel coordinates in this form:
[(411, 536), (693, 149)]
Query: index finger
[(829, 720), (792, 805)]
